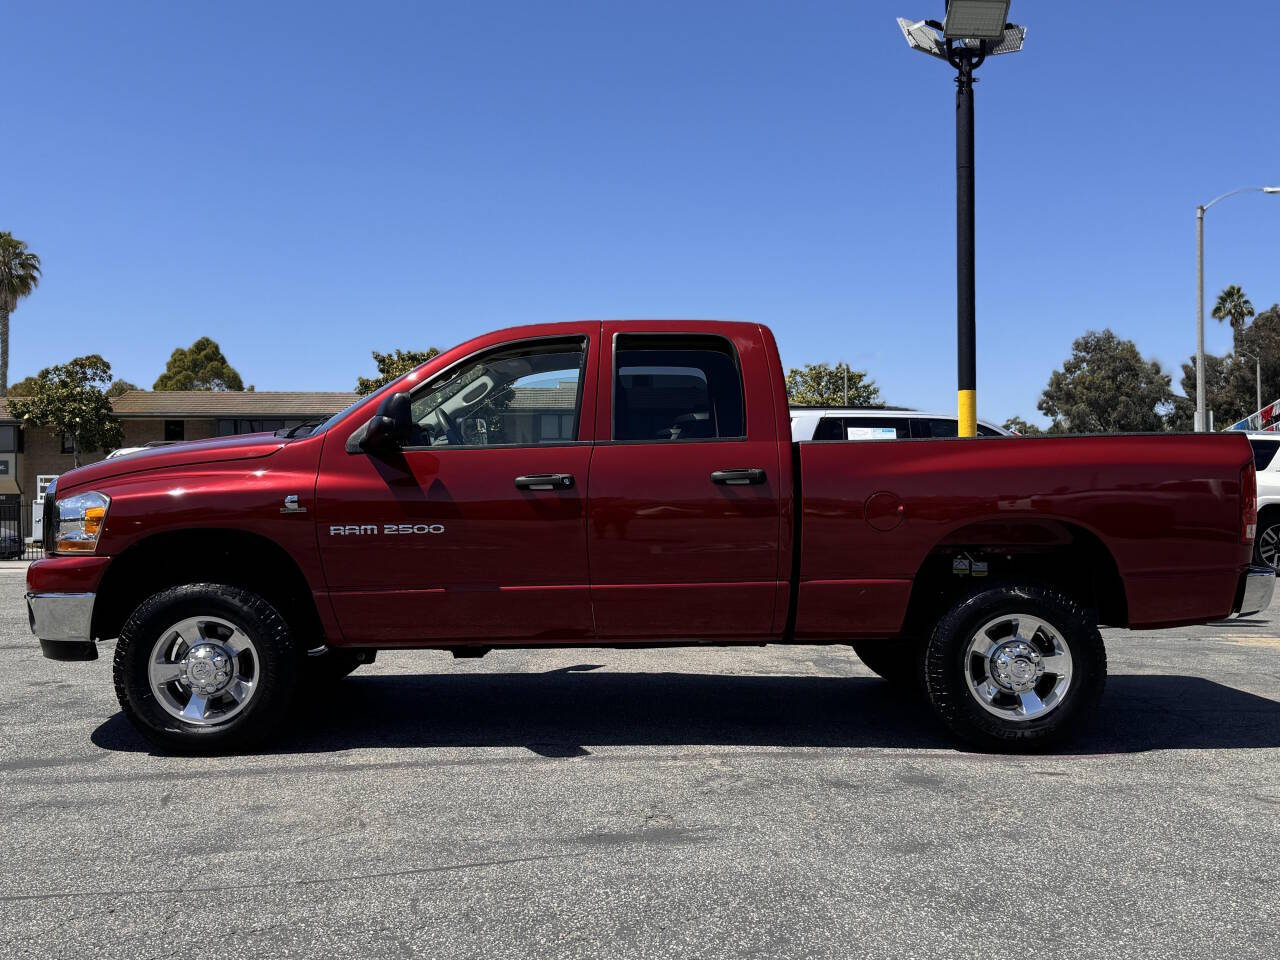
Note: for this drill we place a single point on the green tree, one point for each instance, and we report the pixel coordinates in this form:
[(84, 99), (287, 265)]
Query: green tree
[(19, 275), (822, 385), (1230, 381), (1217, 397), (1022, 427), (1107, 387), (392, 365), (23, 388), (1234, 307), (120, 386), (200, 366), (70, 399)]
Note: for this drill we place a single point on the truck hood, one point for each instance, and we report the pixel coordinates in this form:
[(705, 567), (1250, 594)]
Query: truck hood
[(250, 446)]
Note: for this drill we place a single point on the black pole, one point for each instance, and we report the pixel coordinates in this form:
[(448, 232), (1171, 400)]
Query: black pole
[(966, 319)]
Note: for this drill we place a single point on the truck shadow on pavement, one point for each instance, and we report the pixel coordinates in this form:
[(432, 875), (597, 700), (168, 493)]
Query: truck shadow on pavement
[(565, 713)]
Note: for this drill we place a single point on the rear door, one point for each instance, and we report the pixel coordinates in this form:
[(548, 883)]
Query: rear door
[(476, 530), (685, 502)]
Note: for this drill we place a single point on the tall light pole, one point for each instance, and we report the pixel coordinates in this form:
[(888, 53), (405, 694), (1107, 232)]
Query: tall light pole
[(973, 30), (1200, 404)]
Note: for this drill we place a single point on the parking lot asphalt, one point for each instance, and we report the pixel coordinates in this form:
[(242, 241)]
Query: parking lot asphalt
[(762, 802)]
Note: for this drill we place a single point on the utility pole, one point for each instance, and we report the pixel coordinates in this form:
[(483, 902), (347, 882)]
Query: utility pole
[(1200, 401)]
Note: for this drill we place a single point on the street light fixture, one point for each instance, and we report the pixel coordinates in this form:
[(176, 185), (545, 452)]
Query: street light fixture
[(1200, 210), (973, 31)]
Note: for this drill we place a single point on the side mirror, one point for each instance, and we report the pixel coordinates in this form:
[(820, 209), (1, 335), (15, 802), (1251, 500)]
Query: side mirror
[(388, 429)]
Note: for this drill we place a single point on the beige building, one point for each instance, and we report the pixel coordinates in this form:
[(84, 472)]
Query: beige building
[(28, 454)]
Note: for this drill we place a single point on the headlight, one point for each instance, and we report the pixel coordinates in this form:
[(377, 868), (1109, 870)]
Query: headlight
[(80, 520)]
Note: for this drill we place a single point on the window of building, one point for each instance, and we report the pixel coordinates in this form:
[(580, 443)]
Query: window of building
[(10, 439), (68, 444), (676, 387), (523, 394), (175, 429)]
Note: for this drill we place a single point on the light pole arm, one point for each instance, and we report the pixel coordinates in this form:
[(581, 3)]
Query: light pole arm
[(1238, 190)]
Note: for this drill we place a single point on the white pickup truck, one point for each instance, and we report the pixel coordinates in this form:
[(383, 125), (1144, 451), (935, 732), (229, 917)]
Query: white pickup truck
[(1266, 546)]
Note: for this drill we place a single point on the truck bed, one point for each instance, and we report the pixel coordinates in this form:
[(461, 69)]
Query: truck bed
[(874, 513)]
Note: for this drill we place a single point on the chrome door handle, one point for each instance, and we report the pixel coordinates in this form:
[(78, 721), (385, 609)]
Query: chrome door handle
[(545, 481), (738, 476)]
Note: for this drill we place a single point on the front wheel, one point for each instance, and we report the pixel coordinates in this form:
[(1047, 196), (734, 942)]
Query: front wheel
[(1015, 668), (205, 667)]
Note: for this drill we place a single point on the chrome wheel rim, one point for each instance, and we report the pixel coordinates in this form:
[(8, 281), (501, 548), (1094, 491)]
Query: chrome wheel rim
[(203, 671), (1269, 546), (1018, 667)]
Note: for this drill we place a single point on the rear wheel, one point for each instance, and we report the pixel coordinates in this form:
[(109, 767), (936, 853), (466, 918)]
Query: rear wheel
[(205, 667), (1015, 668)]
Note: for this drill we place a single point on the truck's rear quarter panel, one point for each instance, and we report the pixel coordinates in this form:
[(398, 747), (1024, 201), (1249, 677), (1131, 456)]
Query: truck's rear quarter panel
[(1166, 507)]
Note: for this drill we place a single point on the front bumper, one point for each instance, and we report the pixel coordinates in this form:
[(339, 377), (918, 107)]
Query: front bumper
[(1256, 589), (64, 624)]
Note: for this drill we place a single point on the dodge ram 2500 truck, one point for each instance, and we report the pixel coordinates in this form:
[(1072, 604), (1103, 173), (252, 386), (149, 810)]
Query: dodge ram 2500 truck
[(632, 484)]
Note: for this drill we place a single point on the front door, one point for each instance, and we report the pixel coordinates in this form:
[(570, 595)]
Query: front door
[(475, 532), (685, 506)]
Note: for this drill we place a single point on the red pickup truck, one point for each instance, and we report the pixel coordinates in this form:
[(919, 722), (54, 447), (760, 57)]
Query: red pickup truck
[(632, 484)]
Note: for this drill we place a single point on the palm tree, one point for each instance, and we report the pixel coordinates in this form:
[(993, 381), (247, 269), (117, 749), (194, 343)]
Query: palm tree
[(19, 274), (1235, 307)]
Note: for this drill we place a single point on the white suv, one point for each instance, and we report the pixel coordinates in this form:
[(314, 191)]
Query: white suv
[(867, 423), (1266, 545)]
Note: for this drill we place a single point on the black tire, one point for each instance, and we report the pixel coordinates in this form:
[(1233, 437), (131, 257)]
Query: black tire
[(275, 666), (898, 661), (331, 666), (1268, 539), (945, 669)]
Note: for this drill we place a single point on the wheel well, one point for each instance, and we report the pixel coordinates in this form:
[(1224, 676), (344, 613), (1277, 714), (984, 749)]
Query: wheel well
[(232, 557), (1064, 556), (1269, 513)]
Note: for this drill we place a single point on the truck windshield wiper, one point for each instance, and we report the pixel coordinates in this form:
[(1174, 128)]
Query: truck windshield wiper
[(301, 429)]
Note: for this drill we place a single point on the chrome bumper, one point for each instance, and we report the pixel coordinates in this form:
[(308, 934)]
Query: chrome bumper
[(64, 624), (1256, 591)]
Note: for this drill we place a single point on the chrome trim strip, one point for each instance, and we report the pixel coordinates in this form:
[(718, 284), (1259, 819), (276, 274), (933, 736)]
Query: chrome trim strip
[(61, 616)]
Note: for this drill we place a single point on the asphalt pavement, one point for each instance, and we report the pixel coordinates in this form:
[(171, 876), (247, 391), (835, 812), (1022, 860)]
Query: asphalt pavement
[(727, 803)]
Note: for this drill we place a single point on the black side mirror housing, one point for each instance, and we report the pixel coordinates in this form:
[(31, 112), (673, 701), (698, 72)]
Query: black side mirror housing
[(389, 429)]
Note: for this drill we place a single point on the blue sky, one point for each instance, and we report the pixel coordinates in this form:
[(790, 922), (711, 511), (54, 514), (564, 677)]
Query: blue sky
[(308, 182)]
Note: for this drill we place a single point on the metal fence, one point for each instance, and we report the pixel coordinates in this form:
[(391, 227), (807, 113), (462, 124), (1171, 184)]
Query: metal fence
[(14, 543)]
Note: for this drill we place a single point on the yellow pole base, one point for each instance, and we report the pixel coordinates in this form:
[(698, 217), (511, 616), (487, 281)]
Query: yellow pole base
[(967, 408)]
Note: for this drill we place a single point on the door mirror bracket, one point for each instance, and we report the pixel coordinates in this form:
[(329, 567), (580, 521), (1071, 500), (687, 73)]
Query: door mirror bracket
[(389, 429)]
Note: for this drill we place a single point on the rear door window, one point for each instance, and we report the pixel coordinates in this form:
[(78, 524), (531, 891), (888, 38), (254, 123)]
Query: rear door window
[(1264, 451), (676, 388), (863, 428), (935, 427)]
